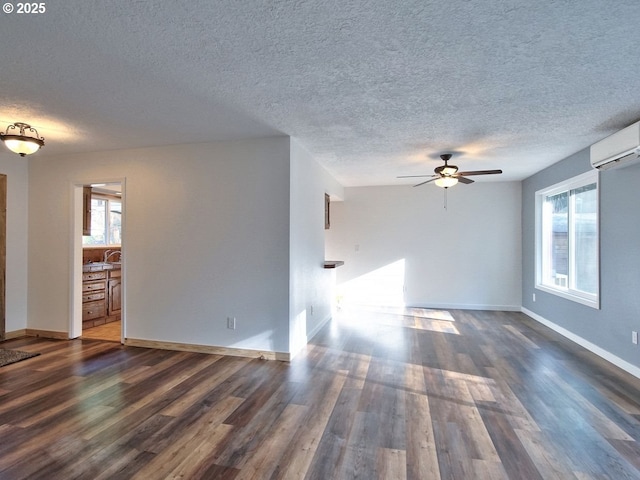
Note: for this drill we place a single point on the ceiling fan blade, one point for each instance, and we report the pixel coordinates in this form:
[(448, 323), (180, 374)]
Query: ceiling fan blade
[(480, 172), (430, 180), (462, 179), (414, 176)]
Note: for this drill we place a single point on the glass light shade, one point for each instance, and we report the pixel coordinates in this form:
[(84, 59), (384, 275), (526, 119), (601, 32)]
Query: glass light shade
[(446, 182), (22, 142), (449, 170), (22, 146)]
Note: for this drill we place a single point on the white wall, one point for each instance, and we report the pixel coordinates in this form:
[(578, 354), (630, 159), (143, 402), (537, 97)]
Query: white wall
[(311, 285), (207, 237), (467, 256), (16, 170)]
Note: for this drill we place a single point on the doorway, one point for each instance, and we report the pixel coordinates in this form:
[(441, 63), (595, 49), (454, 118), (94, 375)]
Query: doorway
[(98, 300)]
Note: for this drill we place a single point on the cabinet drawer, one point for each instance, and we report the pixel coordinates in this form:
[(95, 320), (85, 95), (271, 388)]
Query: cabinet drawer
[(93, 310), (90, 287), (89, 276), (115, 273), (90, 297)]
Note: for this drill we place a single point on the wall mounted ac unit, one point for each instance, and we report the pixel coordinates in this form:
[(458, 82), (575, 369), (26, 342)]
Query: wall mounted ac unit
[(617, 150)]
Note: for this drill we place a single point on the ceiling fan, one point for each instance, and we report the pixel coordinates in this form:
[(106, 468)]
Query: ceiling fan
[(448, 175)]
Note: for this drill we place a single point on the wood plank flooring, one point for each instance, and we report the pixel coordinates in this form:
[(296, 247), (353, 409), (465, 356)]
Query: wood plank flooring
[(109, 331), (378, 394)]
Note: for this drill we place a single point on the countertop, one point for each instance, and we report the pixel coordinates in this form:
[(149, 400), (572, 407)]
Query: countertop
[(333, 263), (100, 266)]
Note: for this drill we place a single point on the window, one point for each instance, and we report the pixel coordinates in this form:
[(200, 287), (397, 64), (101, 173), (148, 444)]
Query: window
[(567, 239), (106, 221)]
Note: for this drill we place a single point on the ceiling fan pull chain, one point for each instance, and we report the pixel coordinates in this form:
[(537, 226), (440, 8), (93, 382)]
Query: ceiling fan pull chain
[(445, 198)]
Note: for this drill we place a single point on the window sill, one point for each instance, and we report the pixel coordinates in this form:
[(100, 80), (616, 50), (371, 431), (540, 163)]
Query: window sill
[(593, 303)]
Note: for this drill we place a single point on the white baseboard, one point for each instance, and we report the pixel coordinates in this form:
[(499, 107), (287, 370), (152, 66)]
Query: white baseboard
[(309, 336), (601, 352), (318, 327), (465, 306)]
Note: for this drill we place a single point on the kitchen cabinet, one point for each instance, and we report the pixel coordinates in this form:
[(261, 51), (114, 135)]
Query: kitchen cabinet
[(94, 305), (101, 294), (114, 294)]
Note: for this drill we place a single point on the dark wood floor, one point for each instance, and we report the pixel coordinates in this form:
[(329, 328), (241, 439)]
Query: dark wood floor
[(415, 394)]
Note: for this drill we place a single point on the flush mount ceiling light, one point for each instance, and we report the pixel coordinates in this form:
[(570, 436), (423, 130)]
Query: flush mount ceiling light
[(20, 139)]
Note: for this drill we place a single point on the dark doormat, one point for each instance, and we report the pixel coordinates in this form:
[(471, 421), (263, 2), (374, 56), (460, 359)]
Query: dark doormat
[(8, 357)]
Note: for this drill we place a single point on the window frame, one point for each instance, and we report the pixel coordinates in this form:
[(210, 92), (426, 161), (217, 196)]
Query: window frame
[(108, 198), (569, 293)]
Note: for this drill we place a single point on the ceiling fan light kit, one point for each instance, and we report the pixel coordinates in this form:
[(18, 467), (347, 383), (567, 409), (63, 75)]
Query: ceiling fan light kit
[(446, 181), (448, 175), (19, 138)]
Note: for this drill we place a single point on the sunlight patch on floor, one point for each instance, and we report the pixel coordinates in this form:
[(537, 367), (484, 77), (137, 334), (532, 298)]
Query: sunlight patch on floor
[(419, 319), (435, 314), (420, 312), (435, 326)]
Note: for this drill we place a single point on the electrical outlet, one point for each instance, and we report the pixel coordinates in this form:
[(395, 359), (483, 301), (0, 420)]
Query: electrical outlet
[(311, 310), (231, 323), (634, 338), (534, 297)]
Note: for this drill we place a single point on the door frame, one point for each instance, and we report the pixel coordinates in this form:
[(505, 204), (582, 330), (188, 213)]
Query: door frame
[(77, 212), (3, 255)]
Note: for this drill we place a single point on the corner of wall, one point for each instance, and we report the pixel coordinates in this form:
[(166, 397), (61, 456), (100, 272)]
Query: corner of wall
[(593, 348), (309, 288)]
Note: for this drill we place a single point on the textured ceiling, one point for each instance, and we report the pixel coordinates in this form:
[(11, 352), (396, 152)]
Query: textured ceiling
[(374, 89)]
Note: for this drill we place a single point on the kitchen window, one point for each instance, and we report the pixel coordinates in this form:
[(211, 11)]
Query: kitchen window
[(567, 240), (106, 221)]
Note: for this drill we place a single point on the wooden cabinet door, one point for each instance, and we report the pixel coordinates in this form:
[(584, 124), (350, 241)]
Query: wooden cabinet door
[(115, 296)]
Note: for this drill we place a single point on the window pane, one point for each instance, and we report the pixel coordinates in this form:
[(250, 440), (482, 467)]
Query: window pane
[(557, 240), (115, 222), (106, 222), (585, 231), (98, 223)]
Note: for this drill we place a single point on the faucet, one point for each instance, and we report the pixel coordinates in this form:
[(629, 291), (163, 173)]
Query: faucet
[(109, 253)]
